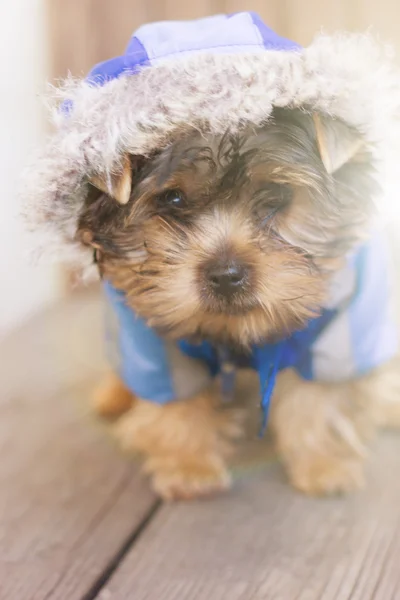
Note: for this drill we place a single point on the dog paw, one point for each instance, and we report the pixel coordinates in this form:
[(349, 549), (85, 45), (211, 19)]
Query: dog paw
[(184, 445), (111, 398), (186, 482), (322, 433), (320, 476)]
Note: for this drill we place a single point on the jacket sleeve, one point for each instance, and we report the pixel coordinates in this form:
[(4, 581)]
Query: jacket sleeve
[(151, 367), (363, 334)]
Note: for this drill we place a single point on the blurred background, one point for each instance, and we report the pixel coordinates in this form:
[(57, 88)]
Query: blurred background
[(43, 40)]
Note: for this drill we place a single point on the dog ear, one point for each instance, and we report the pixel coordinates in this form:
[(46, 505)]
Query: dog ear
[(118, 185), (337, 142)]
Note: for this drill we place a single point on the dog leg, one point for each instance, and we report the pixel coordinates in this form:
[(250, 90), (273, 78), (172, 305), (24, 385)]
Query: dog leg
[(322, 431), (111, 398), (185, 444), (383, 386)]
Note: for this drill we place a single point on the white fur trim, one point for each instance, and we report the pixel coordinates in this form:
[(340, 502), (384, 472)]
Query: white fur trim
[(347, 76)]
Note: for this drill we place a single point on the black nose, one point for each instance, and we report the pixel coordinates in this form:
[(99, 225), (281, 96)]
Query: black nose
[(226, 278)]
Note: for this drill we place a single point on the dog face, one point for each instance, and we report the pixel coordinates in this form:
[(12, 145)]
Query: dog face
[(233, 238)]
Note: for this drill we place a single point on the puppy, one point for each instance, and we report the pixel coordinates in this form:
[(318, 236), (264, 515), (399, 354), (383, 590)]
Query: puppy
[(236, 240), (223, 180)]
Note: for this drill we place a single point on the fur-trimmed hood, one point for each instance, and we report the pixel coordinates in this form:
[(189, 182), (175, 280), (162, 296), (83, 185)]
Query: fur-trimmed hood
[(214, 74)]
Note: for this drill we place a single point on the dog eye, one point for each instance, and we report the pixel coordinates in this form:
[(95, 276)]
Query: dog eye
[(279, 194), (271, 199), (174, 198)]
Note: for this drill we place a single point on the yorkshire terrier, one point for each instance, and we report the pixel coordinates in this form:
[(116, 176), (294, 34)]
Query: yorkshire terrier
[(206, 242), (223, 180)]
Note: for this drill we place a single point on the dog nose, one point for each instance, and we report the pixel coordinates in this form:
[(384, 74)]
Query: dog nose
[(227, 278)]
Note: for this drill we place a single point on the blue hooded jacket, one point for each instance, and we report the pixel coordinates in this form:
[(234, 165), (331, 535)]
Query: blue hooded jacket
[(354, 333), (218, 73)]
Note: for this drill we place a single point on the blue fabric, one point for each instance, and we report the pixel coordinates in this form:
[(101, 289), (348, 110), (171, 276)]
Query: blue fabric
[(144, 362), (270, 39), (219, 34), (142, 358), (134, 59), (371, 318), (203, 351), (238, 32), (268, 359)]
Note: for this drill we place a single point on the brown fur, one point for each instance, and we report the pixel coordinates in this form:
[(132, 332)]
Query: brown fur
[(324, 445), (111, 399), (185, 443), (265, 199)]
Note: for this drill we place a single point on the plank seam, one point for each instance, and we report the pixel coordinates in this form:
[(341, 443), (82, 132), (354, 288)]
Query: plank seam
[(119, 556)]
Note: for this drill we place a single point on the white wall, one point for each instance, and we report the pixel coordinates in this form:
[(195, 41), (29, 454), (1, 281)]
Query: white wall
[(23, 68)]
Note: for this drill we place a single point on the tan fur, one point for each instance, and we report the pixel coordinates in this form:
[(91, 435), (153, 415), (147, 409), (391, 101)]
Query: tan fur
[(185, 444), (264, 200), (336, 147), (111, 398), (382, 387), (118, 184), (322, 431), (287, 290), (158, 261)]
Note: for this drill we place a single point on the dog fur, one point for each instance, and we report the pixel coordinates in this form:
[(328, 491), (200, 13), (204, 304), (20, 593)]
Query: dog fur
[(348, 76), (321, 431), (239, 140), (264, 198)]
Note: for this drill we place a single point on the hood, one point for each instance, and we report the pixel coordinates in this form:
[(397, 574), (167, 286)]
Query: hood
[(213, 74)]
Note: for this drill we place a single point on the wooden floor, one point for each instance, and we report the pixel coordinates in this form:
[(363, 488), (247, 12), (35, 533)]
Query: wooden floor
[(78, 521)]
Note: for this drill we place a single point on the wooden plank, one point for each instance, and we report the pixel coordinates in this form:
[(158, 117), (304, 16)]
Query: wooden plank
[(114, 23), (381, 18), (273, 12), (182, 9), (68, 499), (303, 23), (265, 541), (85, 32), (71, 40)]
